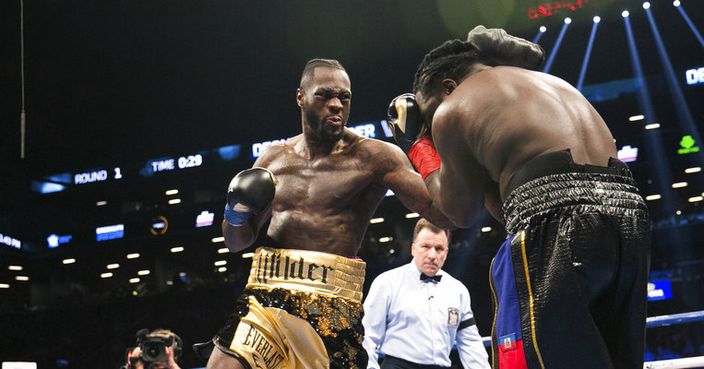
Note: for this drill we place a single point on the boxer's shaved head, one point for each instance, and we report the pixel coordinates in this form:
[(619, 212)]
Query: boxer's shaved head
[(310, 66)]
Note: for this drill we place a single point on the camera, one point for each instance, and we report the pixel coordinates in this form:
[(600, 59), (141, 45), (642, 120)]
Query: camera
[(151, 349), (154, 348)]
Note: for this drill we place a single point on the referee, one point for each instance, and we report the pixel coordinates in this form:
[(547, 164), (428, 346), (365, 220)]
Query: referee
[(413, 314)]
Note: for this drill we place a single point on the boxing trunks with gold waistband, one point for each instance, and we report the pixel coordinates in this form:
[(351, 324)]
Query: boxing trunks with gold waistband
[(300, 309)]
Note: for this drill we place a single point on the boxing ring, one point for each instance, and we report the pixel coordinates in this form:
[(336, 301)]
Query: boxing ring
[(663, 321)]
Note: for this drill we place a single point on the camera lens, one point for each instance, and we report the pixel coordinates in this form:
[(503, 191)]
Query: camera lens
[(153, 351)]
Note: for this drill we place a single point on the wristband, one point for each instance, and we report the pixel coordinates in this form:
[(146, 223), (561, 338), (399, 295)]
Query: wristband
[(236, 218), (424, 157)]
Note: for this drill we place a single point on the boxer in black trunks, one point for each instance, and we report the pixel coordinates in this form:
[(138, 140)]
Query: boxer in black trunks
[(570, 280)]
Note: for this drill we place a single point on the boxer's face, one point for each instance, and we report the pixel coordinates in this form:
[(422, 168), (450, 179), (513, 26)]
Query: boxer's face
[(325, 101), (429, 251), (428, 103)]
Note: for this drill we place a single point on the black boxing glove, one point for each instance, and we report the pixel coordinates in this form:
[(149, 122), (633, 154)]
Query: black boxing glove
[(504, 49), (405, 120), (254, 188), (412, 135)]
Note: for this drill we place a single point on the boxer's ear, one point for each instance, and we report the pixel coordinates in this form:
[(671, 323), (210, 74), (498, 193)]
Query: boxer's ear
[(448, 85), (299, 97)]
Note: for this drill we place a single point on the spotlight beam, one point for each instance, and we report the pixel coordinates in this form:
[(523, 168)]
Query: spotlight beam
[(644, 95), (537, 37), (685, 116), (691, 25), (653, 140), (551, 58), (585, 62)]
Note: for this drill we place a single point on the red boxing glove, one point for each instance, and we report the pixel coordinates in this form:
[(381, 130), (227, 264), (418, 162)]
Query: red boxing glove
[(424, 157)]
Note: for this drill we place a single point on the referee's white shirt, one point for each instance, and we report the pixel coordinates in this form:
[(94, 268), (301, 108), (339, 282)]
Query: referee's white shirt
[(419, 320)]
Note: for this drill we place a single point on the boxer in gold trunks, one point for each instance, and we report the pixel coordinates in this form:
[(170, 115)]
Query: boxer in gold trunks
[(302, 305)]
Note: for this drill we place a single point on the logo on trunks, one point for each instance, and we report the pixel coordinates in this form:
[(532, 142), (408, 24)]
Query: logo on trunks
[(274, 266), (508, 342), (268, 352)]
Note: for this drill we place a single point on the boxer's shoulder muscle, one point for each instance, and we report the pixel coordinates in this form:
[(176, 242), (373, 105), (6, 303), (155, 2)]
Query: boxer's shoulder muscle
[(275, 153)]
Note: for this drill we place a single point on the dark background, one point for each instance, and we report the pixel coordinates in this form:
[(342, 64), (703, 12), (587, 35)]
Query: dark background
[(117, 83)]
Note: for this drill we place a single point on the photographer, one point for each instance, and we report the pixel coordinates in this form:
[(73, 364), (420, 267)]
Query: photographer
[(158, 349)]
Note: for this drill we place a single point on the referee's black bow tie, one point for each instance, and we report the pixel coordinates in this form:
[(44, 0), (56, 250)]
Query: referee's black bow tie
[(426, 278)]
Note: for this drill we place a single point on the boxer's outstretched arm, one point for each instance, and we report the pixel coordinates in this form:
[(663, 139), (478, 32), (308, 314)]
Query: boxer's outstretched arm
[(409, 187), (458, 186)]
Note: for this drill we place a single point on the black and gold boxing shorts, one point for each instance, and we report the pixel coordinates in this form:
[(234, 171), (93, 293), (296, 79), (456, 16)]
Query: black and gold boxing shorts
[(300, 309)]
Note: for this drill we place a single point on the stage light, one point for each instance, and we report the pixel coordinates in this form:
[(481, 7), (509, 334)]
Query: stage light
[(133, 256), (376, 220), (68, 261), (4, 285), (171, 192), (113, 266), (22, 278), (134, 280), (223, 250), (625, 13), (676, 3), (678, 212), (679, 185), (596, 19), (695, 199), (176, 249), (486, 229), (412, 215), (635, 118), (392, 251), (143, 272), (543, 29), (386, 239), (653, 197), (14, 267), (222, 269), (174, 201), (646, 5), (101, 203), (220, 263), (652, 126), (247, 255), (106, 275), (568, 20), (218, 239), (693, 170)]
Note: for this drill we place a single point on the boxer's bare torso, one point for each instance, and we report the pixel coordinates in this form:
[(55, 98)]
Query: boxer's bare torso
[(499, 118), (325, 203)]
